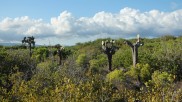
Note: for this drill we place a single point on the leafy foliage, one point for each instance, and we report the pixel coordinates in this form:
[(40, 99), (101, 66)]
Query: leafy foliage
[(84, 76), (162, 78), (116, 75)]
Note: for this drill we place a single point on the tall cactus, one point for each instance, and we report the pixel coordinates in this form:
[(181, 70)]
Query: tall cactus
[(31, 43), (59, 52), (134, 48), (109, 49)]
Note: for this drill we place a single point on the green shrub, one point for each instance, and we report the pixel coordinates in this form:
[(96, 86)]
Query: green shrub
[(162, 78), (116, 75)]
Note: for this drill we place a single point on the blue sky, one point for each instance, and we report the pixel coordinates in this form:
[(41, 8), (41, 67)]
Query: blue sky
[(46, 9), (73, 20)]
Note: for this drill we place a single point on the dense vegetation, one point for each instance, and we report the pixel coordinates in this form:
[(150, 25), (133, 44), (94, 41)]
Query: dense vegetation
[(84, 74)]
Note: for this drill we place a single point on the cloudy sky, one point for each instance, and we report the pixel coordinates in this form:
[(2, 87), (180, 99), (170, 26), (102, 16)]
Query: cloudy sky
[(71, 21)]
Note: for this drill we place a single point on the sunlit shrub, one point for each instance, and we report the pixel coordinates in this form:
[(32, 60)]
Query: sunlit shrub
[(162, 78), (141, 70), (116, 75)]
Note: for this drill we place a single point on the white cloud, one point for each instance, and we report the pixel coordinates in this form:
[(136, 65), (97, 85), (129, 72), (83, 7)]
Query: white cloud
[(62, 24), (126, 23), (15, 29)]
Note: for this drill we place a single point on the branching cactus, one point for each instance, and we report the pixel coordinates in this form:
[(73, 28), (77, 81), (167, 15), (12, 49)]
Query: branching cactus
[(134, 48), (109, 50), (59, 52), (31, 43)]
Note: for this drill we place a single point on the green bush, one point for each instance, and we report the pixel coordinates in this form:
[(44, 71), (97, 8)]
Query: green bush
[(116, 75), (96, 65), (162, 78), (141, 70), (82, 60)]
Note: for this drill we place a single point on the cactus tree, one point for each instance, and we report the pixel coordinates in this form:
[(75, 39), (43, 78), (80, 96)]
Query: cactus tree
[(59, 52), (134, 48), (109, 50), (31, 43)]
